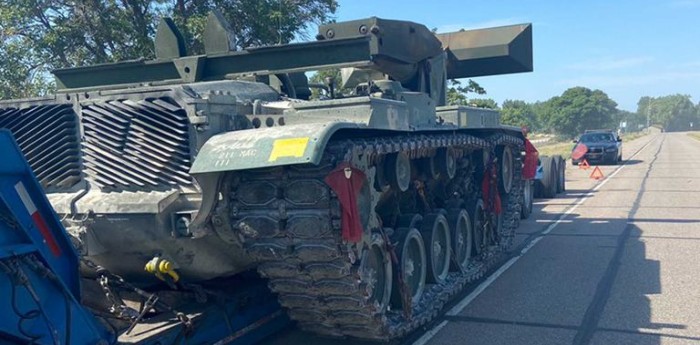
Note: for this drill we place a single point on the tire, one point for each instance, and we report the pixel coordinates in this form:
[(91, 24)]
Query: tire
[(561, 173), (549, 178), (537, 185), (528, 195)]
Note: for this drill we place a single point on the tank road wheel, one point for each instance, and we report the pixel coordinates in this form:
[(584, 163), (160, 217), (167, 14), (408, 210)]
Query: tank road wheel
[(462, 239), (506, 169), (436, 234), (487, 227), (412, 266), (376, 272), (446, 163), (398, 169)]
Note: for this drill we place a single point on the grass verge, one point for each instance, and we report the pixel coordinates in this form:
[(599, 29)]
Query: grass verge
[(694, 135)]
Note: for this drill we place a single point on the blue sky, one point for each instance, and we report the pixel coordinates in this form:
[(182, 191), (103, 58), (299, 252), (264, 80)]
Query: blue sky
[(626, 48)]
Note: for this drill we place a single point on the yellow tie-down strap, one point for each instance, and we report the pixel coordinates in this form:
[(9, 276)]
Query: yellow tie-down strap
[(291, 147)]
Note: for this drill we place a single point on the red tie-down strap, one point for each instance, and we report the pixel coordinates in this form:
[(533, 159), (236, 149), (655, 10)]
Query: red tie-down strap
[(530, 164), (489, 189), (347, 182)]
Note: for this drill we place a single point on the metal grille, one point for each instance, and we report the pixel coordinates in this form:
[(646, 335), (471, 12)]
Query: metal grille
[(48, 138), (136, 145)]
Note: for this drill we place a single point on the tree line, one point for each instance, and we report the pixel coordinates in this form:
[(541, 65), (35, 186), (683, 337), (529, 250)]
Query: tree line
[(580, 108), (37, 36)]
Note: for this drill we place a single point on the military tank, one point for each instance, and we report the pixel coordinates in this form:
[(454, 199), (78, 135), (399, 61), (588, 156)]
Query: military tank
[(367, 210)]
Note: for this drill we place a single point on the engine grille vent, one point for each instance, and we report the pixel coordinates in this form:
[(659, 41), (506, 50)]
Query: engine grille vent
[(136, 145), (47, 135)]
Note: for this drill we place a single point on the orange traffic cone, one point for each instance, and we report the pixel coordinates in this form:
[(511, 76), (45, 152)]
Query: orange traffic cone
[(597, 174), (583, 165)]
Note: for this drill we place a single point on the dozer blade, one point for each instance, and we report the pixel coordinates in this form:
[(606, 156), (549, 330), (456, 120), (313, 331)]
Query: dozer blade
[(490, 51)]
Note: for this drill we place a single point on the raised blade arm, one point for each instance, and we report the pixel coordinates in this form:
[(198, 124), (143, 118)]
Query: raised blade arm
[(405, 51)]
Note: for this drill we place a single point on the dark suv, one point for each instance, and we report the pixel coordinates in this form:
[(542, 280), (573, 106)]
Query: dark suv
[(604, 146)]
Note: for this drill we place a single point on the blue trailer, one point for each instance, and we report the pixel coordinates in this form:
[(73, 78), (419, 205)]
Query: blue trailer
[(41, 298)]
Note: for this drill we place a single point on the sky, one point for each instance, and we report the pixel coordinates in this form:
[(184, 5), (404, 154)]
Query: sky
[(628, 49)]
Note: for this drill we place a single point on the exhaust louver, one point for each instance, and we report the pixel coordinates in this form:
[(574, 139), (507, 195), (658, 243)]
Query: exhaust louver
[(47, 135), (136, 145)]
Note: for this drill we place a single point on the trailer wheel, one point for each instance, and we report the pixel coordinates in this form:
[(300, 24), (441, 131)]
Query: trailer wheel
[(528, 195), (548, 183), (561, 173)]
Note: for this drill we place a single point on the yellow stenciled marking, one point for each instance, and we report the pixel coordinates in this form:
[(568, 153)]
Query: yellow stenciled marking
[(293, 147)]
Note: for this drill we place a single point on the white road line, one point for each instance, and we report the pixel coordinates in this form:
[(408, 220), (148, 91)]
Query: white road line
[(430, 334), (486, 283)]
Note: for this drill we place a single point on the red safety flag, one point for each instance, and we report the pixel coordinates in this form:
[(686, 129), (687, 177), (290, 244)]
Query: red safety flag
[(579, 151), (347, 182), (489, 190)]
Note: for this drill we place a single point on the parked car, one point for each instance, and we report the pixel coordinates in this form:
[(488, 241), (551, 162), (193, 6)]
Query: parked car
[(604, 147)]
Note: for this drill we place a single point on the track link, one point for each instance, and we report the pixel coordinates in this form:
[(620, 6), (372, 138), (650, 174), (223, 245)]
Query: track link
[(290, 222)]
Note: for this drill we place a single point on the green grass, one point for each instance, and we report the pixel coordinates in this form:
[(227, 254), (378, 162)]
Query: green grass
[(632, 136), (694, 135), (564, 148)]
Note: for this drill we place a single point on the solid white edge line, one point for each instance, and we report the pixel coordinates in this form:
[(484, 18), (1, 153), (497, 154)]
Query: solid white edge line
[(486, 283), (463, 303), (430, 334)]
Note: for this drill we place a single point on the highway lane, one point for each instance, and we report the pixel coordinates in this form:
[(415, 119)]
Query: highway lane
[(621, 269), (609, 262)]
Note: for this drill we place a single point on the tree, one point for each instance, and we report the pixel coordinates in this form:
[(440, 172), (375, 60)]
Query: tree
[(519, 113), (457, 94), (482, 103), (673, 112), (40, 35), (578, 109), (634, 122), (321, 78)]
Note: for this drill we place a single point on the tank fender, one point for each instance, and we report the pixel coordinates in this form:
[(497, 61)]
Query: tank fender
[(266, 147), (251, 149)]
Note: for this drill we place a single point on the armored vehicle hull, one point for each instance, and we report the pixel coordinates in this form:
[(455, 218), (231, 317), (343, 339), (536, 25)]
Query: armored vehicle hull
[(366, 210)]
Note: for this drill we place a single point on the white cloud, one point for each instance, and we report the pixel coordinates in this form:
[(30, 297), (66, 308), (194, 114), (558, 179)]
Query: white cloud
[(481, 25), (611, 63)]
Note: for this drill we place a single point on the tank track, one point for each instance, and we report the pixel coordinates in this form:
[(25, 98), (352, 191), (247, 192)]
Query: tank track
[(289, 221)]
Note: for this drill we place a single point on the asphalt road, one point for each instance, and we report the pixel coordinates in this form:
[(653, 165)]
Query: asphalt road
[(615, 261)]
